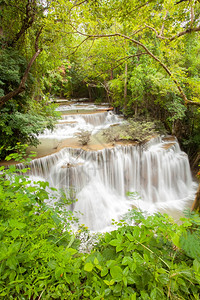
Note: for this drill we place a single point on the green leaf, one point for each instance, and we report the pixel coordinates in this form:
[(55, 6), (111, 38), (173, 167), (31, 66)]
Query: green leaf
[(107, 291), (131, 247), (52, 264), (104, 272), (88, 267), (15, 233), (175, 240), (127, 260), (96, 262), (115, 242), (130, 280), (58, 272), (119, 248), (116, 273), (12, 263), (111, 282), (117, 289), (133, 297), (125, 281), (144, 295), (196, 265), (130, 237), (126, 271), (137, 258), (153, 294)]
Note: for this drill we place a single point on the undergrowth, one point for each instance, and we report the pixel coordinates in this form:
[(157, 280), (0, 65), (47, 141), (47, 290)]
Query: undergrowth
[(144, 258)]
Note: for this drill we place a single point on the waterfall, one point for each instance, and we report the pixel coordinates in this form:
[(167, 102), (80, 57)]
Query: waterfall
[(70, 124), (157, 171)]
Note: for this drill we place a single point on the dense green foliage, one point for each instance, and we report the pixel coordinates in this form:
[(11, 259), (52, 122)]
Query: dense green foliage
[(133, 130), (24, 125), (140, 56), (144, 258)]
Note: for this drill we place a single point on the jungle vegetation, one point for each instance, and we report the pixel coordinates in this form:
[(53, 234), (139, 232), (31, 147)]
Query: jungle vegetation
[(142, 57)]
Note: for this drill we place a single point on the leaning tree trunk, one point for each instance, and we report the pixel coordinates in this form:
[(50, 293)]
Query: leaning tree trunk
[(196, 204), (125, 86), (21, 86)]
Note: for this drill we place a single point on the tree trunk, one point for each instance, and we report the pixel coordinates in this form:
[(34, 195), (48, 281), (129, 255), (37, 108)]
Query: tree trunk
[(196, 203), (125, 86), (111, 74), (89, 92)]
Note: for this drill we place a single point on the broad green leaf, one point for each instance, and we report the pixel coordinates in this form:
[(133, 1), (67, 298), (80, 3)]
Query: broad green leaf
[(59, 272), (116, 273), (130, 237), (127, 260), (12, 263), (104, 272), (126, 271), (115, 242), (196, 265), (111, 282), (96, 262), (88, 267), (119, 248), (117, 289)]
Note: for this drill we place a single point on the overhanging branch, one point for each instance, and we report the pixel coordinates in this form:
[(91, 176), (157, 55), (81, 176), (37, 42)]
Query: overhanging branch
[(21, 86)]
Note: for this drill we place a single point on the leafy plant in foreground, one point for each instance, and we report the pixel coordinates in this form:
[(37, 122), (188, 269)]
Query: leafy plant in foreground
[(145, 261), (36, 242), (144, 258)]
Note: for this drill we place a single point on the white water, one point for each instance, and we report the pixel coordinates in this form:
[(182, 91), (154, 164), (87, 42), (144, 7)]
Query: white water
[(100, 179), (81, 106), (71, 124)]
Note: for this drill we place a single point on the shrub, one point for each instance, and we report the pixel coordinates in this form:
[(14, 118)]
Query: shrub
[(134, 130), (83, 136), (24, 126)]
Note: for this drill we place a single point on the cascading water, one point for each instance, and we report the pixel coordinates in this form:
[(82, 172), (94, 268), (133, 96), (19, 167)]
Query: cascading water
[(157, 171), (70, 124)]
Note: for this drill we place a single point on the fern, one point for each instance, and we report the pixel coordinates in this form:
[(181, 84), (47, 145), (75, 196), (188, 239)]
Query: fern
[(190, 243)]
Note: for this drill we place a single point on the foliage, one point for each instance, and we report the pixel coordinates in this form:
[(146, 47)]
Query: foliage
[(140, 131), (83, 136), (144, 258), (35, 241), (57, 82), (12, 67), (113, 134), (87, 45), (117, 88), (134, 130), (23, 126), (146, 261)]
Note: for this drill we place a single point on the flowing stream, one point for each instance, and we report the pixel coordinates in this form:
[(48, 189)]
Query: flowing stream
[(156, 174)]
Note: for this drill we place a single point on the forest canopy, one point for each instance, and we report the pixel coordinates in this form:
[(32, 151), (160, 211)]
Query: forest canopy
[(140, 56)]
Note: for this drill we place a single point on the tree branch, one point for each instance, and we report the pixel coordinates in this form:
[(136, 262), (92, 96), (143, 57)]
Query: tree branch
[(157, 34), (188, 102), (189, 30), (183, 96), (163, 24), (27, 22), (21, 86), (124, 59), (76, 47)]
